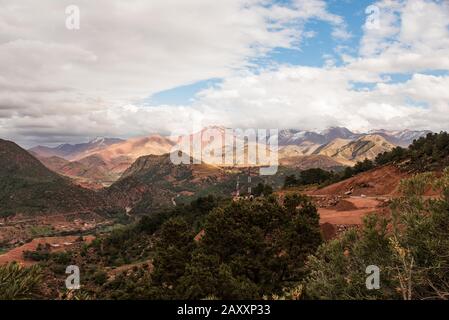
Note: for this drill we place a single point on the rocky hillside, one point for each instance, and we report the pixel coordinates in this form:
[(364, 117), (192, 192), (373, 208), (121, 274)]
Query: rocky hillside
[(343, 145), (311, 161), (381, 181), (90, 172), (154, 182), (348, 152)]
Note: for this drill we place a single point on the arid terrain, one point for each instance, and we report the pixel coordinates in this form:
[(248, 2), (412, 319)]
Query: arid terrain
[(344, 204), (124, 234), (56, 244)]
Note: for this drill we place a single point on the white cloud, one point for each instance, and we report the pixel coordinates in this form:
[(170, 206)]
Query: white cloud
[(56, 81), (413, 36), (60, 85), (313, 98)]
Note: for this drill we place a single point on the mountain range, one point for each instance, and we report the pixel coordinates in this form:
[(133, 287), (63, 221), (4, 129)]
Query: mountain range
[(101, 162), (138, 173)]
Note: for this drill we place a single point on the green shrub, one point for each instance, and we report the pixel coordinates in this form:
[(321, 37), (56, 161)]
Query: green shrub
[(17, 282)]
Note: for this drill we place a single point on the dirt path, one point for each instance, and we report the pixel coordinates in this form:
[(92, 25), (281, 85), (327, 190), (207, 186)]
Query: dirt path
[(361, 207), (48, 217), (57, 244)]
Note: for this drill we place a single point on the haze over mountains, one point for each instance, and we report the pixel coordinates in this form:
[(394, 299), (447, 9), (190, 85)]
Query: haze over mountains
[(74, 151), (102, 161)]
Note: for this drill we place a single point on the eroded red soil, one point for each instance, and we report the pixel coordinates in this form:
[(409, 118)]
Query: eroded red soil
[(56, 244)]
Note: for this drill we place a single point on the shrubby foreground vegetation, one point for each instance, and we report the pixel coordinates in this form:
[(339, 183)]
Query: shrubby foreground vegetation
[(410, 248), (17, 282), (249, 249), (260, 249)]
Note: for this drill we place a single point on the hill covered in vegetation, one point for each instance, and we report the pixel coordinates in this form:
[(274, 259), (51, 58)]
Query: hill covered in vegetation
[(28, 187), (424, 154)]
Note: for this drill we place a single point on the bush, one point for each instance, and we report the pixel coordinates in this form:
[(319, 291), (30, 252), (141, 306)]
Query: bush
[(307, 177), (100, 277), (323, 177), (249, 249), (17, 282), (262, 190)]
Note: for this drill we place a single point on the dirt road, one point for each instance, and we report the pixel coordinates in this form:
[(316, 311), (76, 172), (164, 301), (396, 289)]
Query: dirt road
[(361, 206), (56, 243)]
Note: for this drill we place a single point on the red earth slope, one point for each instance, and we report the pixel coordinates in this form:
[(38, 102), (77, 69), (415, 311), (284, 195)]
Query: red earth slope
[(383, 181)]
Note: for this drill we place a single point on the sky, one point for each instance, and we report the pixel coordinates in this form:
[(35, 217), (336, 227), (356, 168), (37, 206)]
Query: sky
[(139, 67)]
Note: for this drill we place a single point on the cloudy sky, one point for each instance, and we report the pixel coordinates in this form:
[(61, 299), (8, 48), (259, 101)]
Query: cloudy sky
[(137, 67)]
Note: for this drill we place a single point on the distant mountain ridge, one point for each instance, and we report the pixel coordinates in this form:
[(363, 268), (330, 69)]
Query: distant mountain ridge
[(102, 161), (342, 145), (296, 137), (402, 138), (154, 182), (72, 151), (90, 172)]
